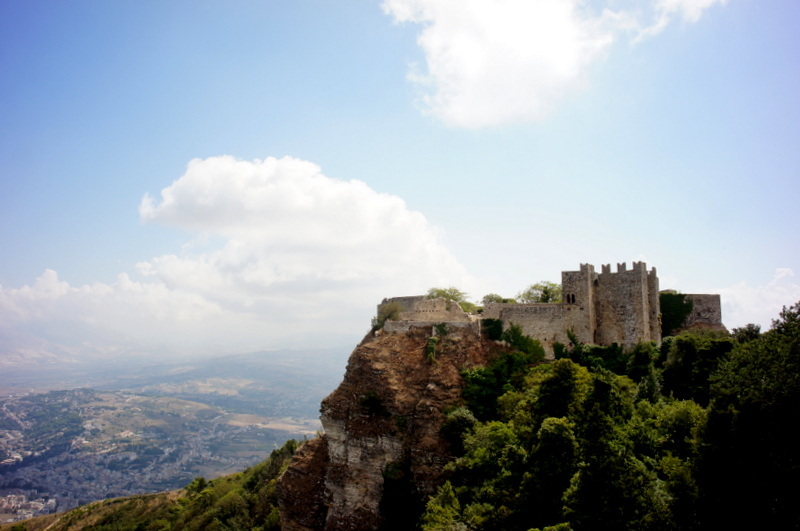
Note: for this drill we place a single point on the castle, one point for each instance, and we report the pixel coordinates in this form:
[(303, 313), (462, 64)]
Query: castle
[(600, 308)]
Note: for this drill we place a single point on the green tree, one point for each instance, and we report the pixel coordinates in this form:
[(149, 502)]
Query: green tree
[(613, 488), (641, 369), (442, 511), (691, 360), (543, 291), (746, 333), (492, 328), (612, 357), (483, 385), (675, 308), (457, 424), (389, 311), (452, 294), (552, 464), (514, 336), (751, 464), (494, 297)]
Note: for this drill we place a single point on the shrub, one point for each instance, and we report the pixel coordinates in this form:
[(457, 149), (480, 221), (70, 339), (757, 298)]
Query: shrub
[(389, 311)]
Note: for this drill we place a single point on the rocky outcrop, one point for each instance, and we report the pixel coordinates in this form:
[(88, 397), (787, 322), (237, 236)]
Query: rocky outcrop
[(301, 488), (382, 433)]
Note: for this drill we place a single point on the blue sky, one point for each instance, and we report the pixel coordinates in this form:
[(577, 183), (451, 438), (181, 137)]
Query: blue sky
[(213, 176)]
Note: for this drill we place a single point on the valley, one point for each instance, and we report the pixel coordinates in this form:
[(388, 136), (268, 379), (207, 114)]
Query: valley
[(155, 428)]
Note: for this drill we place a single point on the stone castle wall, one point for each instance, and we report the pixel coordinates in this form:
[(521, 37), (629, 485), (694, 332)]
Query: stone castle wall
[(706, 312), (626, 305), (599, 308), (545, 322), (421, 311)]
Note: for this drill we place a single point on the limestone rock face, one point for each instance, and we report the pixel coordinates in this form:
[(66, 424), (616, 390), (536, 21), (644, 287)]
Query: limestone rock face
[(384, 421), (301, 488)]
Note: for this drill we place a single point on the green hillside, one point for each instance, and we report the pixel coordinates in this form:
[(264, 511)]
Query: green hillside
[(245, 500)]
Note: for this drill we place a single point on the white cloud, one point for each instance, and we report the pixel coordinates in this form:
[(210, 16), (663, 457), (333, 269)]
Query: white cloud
[(667, 10), (282, 256), (490, 63), (125, 311), (689, 10), (743, 304), (290, 231)]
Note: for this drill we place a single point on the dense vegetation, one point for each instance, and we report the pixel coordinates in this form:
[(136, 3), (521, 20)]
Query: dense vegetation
[(695, 434), (675, 308)]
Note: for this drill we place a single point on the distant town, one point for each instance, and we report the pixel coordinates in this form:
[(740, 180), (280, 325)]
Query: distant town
[(21, 506), (62, 449)]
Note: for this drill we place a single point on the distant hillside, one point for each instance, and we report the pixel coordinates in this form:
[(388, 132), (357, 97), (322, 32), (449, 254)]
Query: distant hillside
[(273, 383), (238, 501), (156, 427)]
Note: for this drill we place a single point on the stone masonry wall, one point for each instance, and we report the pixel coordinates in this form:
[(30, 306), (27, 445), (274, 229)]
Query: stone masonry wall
[(706, 312), (623, 305), (544, 322), (421, 311), (602, 308)]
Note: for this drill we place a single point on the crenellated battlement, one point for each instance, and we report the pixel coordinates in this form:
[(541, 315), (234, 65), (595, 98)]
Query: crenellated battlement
[(603, 308), (622, 267)]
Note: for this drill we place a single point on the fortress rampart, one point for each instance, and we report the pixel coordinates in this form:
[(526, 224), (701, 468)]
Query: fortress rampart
[(599, 308), (422, 311), (705, 312)]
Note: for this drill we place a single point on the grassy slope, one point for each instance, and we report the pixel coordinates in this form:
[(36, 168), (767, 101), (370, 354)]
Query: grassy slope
[(243, 500)]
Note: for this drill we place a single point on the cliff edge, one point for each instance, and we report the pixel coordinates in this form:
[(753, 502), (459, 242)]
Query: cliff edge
[(382, 452)]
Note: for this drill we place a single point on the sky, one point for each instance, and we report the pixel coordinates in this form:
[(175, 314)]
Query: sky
[(198, 177)]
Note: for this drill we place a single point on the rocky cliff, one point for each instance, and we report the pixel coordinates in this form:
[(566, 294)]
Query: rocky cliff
[(382, 452)]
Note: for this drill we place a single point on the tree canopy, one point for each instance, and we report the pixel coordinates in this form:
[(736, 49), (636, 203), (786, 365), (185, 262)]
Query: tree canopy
[(451, 294), (494, 297), (543, 291), (697, 434)]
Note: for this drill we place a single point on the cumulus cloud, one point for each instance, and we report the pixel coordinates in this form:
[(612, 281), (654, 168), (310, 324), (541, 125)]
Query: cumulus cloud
[(280, 255), (289, 231), (490, 63), (743, 304)]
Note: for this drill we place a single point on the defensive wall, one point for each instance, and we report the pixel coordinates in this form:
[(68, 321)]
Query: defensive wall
[(706, 312), (418, 311), (599, 308)]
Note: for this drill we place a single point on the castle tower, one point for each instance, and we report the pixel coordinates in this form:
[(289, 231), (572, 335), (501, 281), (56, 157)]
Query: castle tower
[(578, 300), (655, 305), (626, 305)]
